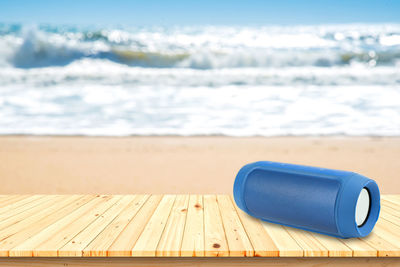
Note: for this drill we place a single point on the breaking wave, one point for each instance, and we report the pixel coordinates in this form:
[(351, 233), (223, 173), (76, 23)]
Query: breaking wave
[(240, 81), (202, 47)]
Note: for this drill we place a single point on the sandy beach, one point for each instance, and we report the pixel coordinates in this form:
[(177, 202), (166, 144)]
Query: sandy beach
[(181, 165)]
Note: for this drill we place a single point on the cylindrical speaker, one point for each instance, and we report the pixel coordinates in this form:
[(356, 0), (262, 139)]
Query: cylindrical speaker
[(332, 202)]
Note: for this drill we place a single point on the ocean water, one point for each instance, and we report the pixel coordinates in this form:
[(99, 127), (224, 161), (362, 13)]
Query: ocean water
[(209, 80)]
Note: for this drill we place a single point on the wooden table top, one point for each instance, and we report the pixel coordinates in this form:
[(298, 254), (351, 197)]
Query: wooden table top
[(170, 225)]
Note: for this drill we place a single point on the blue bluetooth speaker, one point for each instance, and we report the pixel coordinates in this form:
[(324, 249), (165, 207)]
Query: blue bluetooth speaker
[(332, 202)]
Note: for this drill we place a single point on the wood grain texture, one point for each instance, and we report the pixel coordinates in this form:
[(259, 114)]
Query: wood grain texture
[(171, 239), (14, 216), (198, 262), (335, 247), (170, 226), (391, 208), (54, 233), (311, 246), (215, 244), (360, 248), (9, 210), (76, 245), (384, 247), (392, 198), (238, 241), (123, 244), (146, 245), (12, 199), (25, 229), (50, 246), (262, 243), (101, 245), (193, 236), (286, 245)]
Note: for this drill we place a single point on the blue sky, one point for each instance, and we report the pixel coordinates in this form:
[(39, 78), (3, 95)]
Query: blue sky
[(174, 12)]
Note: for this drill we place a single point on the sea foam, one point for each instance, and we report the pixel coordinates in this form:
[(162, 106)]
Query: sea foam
[(239, 81)]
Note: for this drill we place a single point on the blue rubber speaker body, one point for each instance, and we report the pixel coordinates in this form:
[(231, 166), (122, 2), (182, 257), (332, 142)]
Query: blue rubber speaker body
[(309, 198)]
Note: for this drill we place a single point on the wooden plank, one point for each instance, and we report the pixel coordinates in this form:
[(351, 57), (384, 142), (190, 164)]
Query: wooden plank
[(392, 202), (286, 245), (391, 208), (199, 262), (111, 235), (3, 198), (385, 239), (47, 243), (34, 224), (193, 237), (7, 198), (392, 198), (12, 199), (183, 225), (215, 244), (123, 244), (360, 248), (335, 247), (171, 239), (391, 211), (262, 243), (389, 232), (4, 211), (238, 242), (54, 232), (389, 226), (76, 245), (311, 246), (387, 216), (384, 247), (77, 231), (26, 247), (29, 221), (146, 245), (25, 211)]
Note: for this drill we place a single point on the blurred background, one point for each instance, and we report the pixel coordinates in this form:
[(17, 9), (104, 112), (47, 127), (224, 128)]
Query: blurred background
[(209, 68), (170, 67)]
